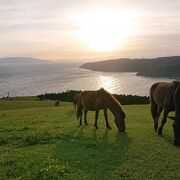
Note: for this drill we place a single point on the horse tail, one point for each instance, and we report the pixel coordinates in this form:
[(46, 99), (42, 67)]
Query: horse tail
[(153, 104)]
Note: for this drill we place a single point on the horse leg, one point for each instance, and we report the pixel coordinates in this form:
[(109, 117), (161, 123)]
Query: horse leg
[(163, 121), (79, 110), (80, 121), (79, 114), (85, 117), (96, 117), (106, 119), (159, 110)]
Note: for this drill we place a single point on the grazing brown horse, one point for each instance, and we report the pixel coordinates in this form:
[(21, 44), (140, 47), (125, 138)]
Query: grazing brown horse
[(164, 95), (97, 100)]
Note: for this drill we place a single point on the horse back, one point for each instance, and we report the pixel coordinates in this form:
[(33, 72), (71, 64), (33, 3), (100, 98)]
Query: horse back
[(92, 100), (159, 92)]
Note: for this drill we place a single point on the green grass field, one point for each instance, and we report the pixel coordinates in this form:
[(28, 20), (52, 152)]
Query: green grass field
[(40, 141)]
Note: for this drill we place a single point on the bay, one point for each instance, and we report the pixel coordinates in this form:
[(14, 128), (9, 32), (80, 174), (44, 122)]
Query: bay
[(32, 79)]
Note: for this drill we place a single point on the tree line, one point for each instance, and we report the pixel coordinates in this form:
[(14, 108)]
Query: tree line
[(68, 96)]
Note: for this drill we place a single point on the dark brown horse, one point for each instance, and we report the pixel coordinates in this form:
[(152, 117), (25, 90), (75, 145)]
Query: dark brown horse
[(176, 124), (97, 100), (163, 95)]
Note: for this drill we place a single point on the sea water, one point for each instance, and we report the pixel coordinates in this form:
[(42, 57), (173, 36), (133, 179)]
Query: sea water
[(35, 78)]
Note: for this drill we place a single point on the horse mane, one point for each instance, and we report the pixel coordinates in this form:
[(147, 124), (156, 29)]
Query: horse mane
[(177, 96), (175, 85), (176, 82), (118, 105)]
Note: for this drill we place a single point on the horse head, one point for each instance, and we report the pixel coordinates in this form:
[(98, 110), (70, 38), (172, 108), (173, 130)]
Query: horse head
[(120, 121)]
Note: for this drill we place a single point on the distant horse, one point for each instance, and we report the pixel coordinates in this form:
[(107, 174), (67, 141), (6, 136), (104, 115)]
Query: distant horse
[(164, 95), (57, 103), (76, 99), (97, 100)]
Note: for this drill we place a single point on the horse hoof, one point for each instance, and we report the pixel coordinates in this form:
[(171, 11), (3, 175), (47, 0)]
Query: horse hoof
[(159, 132), (96, 127), (176, 143), (155, 128)]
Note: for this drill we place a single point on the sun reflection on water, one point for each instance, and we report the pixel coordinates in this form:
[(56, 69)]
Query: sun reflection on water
[(106, 82)]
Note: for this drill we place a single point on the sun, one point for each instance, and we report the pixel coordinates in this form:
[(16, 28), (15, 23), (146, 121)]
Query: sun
[(104, 30)]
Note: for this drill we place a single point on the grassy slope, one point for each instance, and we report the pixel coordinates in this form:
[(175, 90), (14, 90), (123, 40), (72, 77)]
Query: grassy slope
[(40, 141)]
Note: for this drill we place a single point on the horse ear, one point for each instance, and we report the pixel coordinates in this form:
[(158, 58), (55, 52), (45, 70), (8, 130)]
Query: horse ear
[(171, 117)]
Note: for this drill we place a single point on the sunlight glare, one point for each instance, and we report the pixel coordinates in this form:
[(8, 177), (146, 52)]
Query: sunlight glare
[(106, 82), (105, 30)]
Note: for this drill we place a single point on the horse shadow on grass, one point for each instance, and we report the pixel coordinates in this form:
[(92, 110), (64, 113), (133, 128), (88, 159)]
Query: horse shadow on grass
[(69, 114), (89, 151), (168, 138)]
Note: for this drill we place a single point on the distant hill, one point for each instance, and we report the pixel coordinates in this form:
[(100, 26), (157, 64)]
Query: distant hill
[(21, 60), (156, 67)]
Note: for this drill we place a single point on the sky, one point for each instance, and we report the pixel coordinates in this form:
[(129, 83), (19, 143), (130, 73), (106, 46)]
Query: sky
[(89, 30)]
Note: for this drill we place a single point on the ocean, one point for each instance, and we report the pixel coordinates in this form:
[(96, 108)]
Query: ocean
[(19, 79)]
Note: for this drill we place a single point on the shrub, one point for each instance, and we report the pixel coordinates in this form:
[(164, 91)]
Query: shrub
[(68, 96)]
